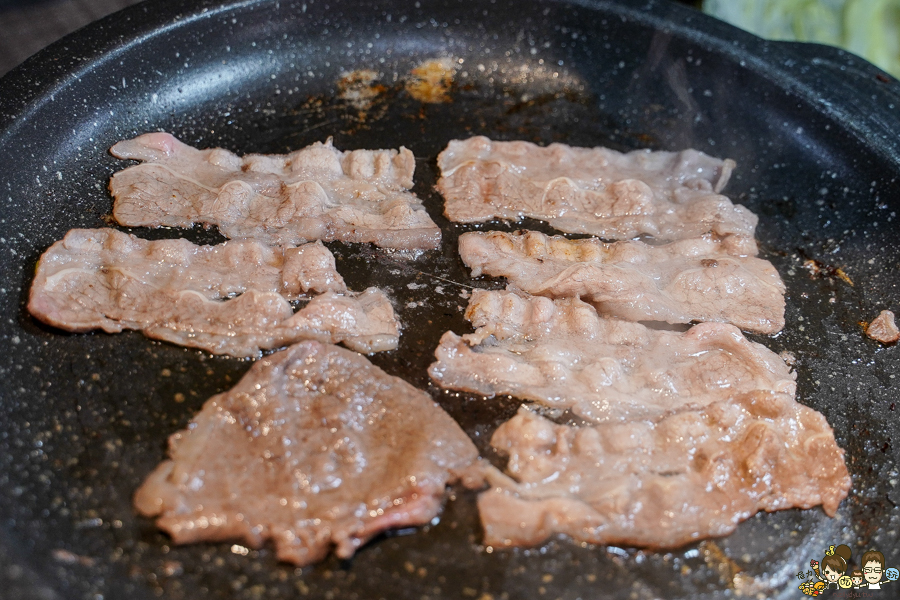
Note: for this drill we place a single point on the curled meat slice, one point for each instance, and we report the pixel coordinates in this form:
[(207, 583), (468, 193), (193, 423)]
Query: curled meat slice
[(562, 354), (213, 271), (172, 290), (241, 326), (700, 279), (314, 448), (662, 483), (316, 193), (669, 195)]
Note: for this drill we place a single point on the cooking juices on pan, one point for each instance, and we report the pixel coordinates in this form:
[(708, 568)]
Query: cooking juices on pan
[(317, 448)]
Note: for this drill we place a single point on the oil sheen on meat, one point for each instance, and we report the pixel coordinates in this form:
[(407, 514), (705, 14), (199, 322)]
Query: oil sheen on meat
[(562, 354), (317, 193), (216, 272), (699, 279), (668, 195), (315, 448), (176, 291), (661, 483)]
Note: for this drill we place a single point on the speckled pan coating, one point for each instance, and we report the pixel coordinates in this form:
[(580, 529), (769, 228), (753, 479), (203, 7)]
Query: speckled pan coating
[(85, 417)]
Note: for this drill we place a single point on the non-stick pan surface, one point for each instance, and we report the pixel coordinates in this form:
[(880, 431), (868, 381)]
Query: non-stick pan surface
[(85, 417)]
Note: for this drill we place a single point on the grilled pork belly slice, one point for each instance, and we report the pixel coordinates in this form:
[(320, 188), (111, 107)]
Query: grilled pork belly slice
[(213, 271), (173, 290), (669, 195), (314, 448), (661, 483), (316, 193), (700, 279), (562, 354)]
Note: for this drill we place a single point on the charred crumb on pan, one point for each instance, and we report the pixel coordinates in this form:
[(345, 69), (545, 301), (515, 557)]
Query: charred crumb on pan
[(365, 97), (789, 358), (360, 88), (717, 560), (818, 269), (432, 81)]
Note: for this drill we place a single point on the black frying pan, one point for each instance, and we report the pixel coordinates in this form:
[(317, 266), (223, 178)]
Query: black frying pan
[(85, 417)]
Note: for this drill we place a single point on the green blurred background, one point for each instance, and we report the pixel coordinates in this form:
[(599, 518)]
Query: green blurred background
[(867, 28)]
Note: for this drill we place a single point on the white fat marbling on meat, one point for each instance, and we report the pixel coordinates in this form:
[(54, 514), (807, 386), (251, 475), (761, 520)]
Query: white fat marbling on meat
[(213, 271), (562, 354), (173, 290), (315, 448), (669, 195), (699, 279), (661, 483), (316, 193)]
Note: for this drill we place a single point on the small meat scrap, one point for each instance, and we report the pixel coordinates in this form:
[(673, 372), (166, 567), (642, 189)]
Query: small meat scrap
[(661, 483), (668, 195), (562, 354), (176, 291), (317, 193), (215, 272), (314, 448), (699, 279), (883, 329)]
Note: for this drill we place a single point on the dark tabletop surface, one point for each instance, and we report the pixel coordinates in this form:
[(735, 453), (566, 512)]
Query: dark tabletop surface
[(26, 26)]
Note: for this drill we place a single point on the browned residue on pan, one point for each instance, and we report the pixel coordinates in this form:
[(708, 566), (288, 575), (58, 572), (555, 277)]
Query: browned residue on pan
[(432, 80), (360, 88), (716, 559), (361, 98), (819, 269)]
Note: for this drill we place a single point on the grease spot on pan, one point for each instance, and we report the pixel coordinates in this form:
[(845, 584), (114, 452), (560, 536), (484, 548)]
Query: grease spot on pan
[(432, 80), (360, 88)]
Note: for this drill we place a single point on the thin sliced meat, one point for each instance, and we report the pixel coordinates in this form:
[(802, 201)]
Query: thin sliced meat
[(562, 354), (215, 272), (253, 322), (663, 483), (700, 279), (669, 195), (317, 193), (314, 448), (113, 299)]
